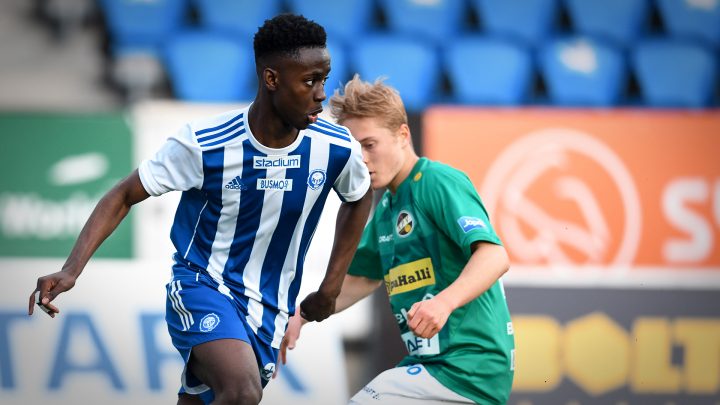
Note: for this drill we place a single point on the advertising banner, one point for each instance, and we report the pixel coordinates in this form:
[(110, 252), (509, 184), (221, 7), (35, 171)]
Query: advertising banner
[(55, 169), (589, 346), (110, 345), (607, 195)]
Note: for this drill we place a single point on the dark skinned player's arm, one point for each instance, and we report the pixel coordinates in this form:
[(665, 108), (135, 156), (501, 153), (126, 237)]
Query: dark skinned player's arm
[(107, 215), (349, 226)]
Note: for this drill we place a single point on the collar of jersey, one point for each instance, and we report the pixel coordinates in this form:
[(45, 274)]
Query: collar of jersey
[(410, 178)]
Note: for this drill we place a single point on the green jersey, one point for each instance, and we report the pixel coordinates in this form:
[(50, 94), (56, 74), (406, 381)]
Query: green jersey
[(418, 242)]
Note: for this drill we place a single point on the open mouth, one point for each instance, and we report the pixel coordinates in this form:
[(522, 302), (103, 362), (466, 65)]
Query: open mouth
[(313, 116)]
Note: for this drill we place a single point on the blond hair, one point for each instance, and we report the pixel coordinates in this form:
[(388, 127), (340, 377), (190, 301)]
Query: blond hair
[(362, 99)]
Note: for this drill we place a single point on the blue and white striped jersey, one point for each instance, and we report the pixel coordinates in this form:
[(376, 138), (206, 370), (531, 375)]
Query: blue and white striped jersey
[(248, 212)]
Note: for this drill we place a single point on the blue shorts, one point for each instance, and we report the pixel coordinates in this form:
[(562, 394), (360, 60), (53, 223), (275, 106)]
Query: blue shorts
[(196, 312)]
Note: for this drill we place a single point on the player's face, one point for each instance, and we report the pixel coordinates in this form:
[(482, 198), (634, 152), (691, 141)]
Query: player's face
[(300, 87), (382, 150)]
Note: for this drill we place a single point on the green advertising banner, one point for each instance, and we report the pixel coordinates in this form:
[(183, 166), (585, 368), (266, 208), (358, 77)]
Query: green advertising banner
[(55, 168)]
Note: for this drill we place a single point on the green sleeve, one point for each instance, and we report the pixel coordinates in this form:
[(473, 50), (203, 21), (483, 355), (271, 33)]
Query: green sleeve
[(366, 262), (448, 197)]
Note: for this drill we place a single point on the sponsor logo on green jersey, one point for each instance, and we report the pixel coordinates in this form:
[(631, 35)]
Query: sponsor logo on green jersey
[(410, 276)]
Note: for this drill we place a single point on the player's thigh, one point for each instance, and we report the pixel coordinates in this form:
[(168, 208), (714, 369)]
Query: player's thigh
[(226, 364), (408, 385)]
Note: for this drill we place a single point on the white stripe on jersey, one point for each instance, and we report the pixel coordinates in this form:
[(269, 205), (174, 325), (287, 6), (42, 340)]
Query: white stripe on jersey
[(228, 217), (269, 217), (319, 156)]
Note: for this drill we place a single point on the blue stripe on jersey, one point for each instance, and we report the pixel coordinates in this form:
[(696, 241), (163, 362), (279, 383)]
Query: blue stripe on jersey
[(321, 122), (209, 137), (187, 217), (204, 131), (328, 132), (290, 212), (338, 158), (213, 161), (248, 221), (219, 141)]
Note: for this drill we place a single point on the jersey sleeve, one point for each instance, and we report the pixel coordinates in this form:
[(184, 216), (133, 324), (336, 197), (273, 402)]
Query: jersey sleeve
[(354, 180), (366, 262), (177, 165), (449, 198)]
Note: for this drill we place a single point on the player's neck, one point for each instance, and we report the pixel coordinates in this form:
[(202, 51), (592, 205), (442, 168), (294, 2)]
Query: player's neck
[(268, 128), (410, 160)]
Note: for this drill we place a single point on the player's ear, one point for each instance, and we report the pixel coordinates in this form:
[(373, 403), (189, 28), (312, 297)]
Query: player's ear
[(270, 78), (404, 133)]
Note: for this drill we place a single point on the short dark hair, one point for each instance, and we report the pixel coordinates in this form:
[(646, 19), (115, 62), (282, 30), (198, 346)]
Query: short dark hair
[(285, 34)]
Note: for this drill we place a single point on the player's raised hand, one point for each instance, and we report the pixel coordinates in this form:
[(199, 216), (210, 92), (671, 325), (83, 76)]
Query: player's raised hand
[(426, 318), (47, 289), (317, 306)]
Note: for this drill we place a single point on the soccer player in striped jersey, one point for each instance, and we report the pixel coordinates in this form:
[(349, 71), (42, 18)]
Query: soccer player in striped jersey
[(431, 245), (254, 182)]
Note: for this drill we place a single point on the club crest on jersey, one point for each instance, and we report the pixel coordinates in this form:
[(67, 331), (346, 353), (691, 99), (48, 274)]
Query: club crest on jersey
[(316, 179), (275, 184), (469, 223), (209, 322), (268, 371), (404, 224), (285, 162)]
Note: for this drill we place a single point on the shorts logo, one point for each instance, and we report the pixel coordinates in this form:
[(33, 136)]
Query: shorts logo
[(286, 162), (469, 223), (414, 370), (275, 184), (268, 371), (209, 322), (410, 276), (404, 224), (316, 179)]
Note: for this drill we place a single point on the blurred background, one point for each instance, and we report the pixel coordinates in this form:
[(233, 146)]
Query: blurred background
[(591, 130)]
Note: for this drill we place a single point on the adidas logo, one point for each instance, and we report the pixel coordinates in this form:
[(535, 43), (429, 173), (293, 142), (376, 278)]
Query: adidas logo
[(236, 184)]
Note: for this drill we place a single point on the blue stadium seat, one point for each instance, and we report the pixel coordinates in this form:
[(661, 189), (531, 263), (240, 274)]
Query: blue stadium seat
[(618, 21), (529, 21), (339, 72), (343, 20), (410, 65), (241, 17), (142, 25), (433, 20), (210, 67), (675, 74), (583, 72), (696, 19), (488, 71)]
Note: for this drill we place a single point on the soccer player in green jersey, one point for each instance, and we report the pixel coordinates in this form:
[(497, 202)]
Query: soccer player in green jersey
[(431, 244)]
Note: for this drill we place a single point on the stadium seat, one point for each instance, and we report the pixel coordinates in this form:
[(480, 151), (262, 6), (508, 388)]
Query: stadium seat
[(210, 67), (618, 21), (409, 64), (488, 71), (145, 25), (675, 74), (344, 20), (432, 20), (241, 17), (339, 73), (529, 21), (694, 19), (583, 72)]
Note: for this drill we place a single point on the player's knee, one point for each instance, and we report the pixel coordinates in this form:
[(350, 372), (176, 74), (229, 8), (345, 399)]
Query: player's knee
[(249, 394)]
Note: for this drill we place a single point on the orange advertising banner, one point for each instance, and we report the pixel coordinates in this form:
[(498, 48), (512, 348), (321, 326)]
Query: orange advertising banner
[(622, 188)]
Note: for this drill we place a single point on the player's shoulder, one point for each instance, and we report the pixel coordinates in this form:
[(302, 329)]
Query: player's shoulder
[(331, 132), (218, 130), (433, 172)]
